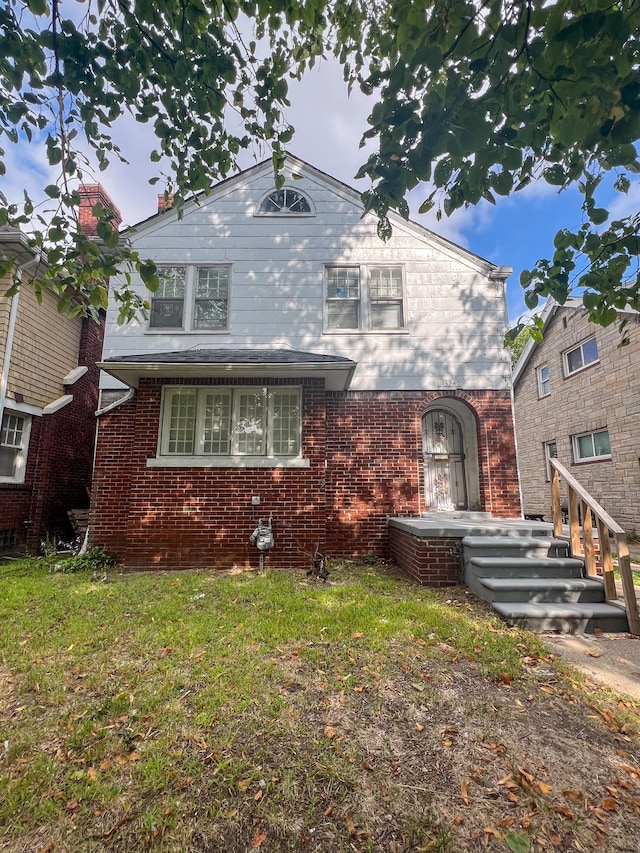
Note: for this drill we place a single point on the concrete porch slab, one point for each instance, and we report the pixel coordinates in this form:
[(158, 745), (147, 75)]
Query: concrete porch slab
[(456, 525)]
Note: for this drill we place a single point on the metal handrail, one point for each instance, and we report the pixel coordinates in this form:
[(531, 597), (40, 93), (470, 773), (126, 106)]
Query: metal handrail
[(582, 544)]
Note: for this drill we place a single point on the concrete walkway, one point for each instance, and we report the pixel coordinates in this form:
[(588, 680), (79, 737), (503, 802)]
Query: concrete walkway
[(609, 660)]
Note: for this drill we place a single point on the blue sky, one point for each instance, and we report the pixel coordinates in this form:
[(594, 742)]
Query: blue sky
[(516, 232)]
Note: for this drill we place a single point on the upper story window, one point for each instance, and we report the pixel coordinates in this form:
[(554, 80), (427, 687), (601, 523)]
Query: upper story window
[(14, 442), (364, 298), (242, 421), (191, 298), (581, 356), (285, 201), (591, 445), (544, 383)]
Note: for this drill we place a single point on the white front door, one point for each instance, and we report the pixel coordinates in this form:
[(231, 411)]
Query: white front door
[(442, 445)]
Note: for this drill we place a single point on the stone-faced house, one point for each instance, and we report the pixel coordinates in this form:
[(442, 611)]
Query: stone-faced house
[(577, 398), (48, 399), (295, 367)]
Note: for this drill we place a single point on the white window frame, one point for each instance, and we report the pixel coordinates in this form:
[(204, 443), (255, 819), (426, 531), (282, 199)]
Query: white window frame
[(568, 371), (23, 447), (234, 455), (544, 384), (577, 456), (190, 301), (365, 299), (548, 455), (295, 193)]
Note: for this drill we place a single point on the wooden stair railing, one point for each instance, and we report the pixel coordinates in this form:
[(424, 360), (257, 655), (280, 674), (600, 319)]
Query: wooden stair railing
[(582, 544)]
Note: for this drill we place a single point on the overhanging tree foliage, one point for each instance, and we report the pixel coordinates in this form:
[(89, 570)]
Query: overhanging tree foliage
[(477, 99)]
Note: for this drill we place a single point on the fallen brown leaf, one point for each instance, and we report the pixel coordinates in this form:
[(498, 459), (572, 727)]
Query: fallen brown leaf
[(258, 839), (609, 804), (330, 732), (464, 791)]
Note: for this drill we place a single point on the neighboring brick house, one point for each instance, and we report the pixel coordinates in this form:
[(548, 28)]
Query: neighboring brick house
[(48, 400), (292, 357), (577, 397)]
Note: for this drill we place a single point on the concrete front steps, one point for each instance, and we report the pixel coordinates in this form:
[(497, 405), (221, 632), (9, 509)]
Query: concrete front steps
[(532, 583)]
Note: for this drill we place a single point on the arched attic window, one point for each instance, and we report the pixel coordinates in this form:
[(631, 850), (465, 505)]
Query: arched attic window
[(285, 202)]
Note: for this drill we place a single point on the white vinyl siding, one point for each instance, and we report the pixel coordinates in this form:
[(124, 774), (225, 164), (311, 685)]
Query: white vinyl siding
[(231, 422), (592, 445), (191, 299), (14, 441), (581, 356)]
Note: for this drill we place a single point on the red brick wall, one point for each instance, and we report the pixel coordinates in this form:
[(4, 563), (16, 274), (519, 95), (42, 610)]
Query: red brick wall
[(60, 457), (202, 517), (432, 562), (365, 452)]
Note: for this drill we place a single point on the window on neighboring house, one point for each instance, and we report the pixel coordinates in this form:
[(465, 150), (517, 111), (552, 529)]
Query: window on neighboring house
[(243, 421), (550, 452), (581, 356), (365, 298), (14, 441), (544, 383), (191, 299), (591, 445)]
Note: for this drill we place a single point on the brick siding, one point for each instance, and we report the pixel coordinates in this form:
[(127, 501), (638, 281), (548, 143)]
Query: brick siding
[(365, 454)]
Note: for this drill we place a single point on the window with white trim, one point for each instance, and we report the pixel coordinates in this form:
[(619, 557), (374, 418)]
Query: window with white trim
[(240, 421), (284, 202), (579, 357), (364, 298), (550, 452), (191, 298), (591, 445), (544, 382), (14, 443)]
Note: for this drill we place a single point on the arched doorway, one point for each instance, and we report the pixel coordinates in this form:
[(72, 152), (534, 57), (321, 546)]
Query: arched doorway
[(445, 481)]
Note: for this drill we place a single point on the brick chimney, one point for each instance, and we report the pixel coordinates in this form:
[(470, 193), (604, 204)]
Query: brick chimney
[(165, 202), (90, 195)]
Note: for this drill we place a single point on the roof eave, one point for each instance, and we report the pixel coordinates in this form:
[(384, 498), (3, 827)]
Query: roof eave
[(337, 376)]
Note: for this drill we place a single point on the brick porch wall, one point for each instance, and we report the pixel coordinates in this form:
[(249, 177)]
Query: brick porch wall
[(431, 562), (365, 452)]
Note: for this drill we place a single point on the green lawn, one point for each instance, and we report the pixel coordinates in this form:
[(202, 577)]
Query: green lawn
[(194, 712)]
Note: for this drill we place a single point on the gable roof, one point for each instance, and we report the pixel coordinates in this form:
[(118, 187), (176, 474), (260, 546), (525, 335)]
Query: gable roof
[(546, 315), (296, 165), (237, 363)]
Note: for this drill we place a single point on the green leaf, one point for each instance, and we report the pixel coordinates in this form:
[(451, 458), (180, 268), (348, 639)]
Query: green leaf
[(518, 842)]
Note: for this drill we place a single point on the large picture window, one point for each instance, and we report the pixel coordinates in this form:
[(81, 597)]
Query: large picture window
[(191, 298), (365, 298), (243, 421), (14, 442)]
